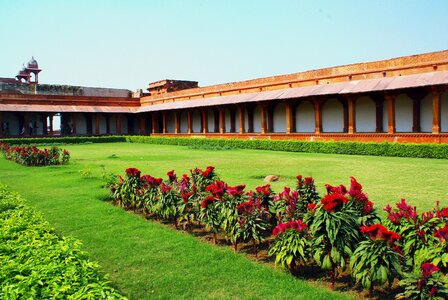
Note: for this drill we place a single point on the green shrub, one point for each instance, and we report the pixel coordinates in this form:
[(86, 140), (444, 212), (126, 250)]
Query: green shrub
[(38, 264), (352, 148)]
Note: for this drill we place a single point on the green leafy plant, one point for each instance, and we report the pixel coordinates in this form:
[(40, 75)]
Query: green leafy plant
[(376, 260), (292, 245), (429, 283)]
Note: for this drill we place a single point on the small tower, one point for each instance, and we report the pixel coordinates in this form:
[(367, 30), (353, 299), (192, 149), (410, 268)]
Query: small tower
[(22, 75), (32, 67)]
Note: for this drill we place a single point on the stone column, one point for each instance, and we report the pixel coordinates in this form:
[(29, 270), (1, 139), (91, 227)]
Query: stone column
[(164, 125), (50, 117), (436, 102), (390, 101), (317, 116), (351, 101), (155, 123), (190, 122), (242, 120), (263, 118), (204, 120), (107, 123), (222, 120), (176, 122), (97, 124), (118, 124), (142, 124), (289, 118), (416, 114)]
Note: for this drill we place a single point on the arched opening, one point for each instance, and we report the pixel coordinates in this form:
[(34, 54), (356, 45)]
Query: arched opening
[(197, 120), (170, 121), (305, 118), (279, 115), (183, 119), (444, 112), (403, 113), (426, 114), (365, 114), (332, 116)]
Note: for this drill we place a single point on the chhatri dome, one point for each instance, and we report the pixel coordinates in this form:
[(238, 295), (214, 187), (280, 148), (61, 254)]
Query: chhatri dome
[(32, 64)]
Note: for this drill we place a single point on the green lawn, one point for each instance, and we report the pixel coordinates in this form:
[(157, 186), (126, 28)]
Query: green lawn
[(148, 260)]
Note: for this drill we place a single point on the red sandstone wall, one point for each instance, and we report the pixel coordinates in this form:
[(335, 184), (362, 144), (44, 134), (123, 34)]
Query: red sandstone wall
[(408, 65)]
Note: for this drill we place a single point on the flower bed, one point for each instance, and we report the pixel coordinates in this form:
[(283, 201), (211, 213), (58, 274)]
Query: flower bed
[(338, 232), (36, 263), (33, 156)]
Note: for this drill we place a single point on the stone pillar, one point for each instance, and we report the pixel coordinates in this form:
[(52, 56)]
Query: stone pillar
[(155, 123), (263, 116), (344, 103), (289, 118), (50, 117), (97, 124), (190, 121), (222, 120), (317, 116), (204, 120), (142, 124), (118, 124), (176, 122), (351, 101), (436, 102), (164, 125), (390, 102), (242, 120), (73, 118), (25, 124)]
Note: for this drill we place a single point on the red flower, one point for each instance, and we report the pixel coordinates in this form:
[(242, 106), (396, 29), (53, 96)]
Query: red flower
[(311, 206), (186, 196), (171, 176), (341, 189), (133, 172), (151, 181), (368, 208), (265, 189), (443, 213), (333, 202), (442, 233), (208, 172), (428, 269), (218, 188), (433, 291), (207, 201), (245, 207), (237, 190), (165, 188), (378, 232), (297, 225)]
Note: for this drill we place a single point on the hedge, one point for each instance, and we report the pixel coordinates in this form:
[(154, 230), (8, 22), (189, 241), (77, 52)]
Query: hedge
[(38, 264), (64, 140), (352, 148)]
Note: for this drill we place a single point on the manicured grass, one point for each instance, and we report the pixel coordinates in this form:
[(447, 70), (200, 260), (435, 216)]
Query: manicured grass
[(148, 260)]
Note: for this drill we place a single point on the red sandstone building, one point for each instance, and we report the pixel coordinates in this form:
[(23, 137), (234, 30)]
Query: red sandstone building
[(402, 99)]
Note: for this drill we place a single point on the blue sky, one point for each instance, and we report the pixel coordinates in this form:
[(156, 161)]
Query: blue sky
[(127, 44)]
